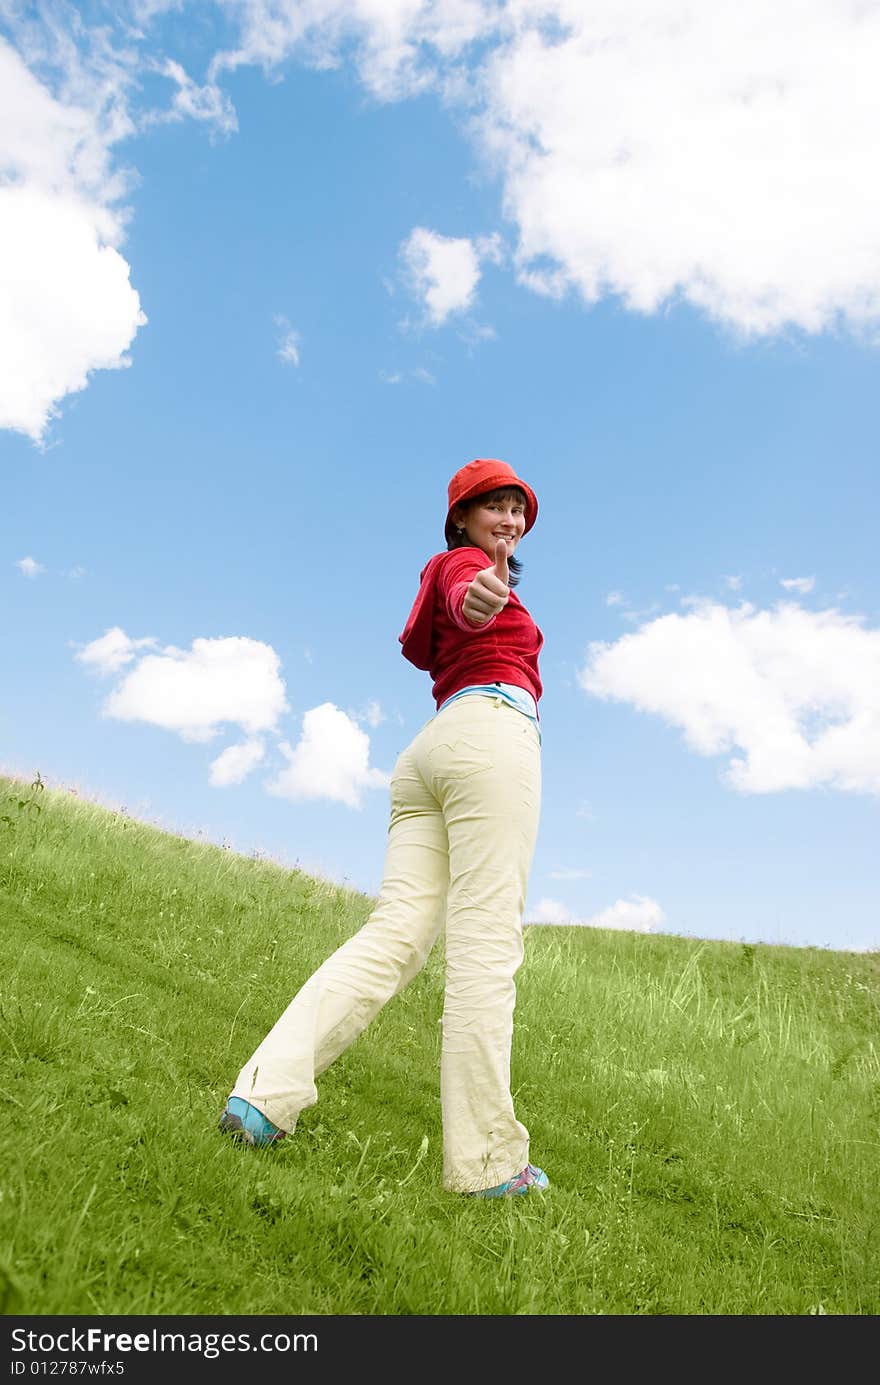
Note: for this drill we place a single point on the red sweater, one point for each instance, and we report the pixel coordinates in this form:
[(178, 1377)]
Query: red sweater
[(437, 636)]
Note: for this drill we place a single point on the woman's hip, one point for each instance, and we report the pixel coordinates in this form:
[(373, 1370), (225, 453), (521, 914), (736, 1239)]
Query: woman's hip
[(480, 748)]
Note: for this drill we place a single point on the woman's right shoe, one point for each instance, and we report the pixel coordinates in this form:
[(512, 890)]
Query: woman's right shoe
[(248, 1125), (530, 1178)]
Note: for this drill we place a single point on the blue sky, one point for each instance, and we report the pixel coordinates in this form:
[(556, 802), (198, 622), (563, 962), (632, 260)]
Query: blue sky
[(256, 309)]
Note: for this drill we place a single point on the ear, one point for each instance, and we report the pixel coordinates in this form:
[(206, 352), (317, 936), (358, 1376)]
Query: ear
[(458, 516)]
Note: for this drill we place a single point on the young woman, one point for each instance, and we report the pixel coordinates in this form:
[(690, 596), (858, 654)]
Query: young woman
[(465, 800)]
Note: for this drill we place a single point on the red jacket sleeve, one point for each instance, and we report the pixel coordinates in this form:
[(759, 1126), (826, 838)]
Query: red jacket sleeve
[(454, 578)]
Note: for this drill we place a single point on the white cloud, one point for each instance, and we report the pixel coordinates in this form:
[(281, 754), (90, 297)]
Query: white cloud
[(207, 104), (614, 599), (237, 681), (473, 334), (797, 692), (802, 585), (288, 348), (657, 152), (330, 760), (372, 713), (549, 911), (633, 617), (30, 567), (734, 583), (112, 650), (288, 342), (711, 153), (567, 873), (395, 43), (236, 763), (195, 692), (490, 248), (66, 305), (639, 914), (419, 373), (442, 272)]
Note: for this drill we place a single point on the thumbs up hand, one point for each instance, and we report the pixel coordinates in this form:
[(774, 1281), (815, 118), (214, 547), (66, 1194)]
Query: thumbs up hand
[(488, 592)]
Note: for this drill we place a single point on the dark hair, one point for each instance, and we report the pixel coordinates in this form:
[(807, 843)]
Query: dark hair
[(456, 540)]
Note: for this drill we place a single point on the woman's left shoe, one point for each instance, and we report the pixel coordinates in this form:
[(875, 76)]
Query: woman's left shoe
[(530, 1178), (245, 1123)]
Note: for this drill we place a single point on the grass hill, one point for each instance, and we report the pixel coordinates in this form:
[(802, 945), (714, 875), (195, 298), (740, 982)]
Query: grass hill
[(707, 1112)]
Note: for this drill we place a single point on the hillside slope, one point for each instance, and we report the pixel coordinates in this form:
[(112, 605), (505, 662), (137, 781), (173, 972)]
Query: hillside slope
[(707, 1112)]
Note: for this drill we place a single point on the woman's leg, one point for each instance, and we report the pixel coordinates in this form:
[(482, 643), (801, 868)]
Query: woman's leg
[(481, 759), (338, 1001)]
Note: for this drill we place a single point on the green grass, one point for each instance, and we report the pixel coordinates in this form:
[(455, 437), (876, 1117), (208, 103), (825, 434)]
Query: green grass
[(707, 1112)]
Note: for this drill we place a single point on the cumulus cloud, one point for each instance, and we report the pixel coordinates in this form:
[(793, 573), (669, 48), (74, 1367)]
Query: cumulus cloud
[(330, 760), (217, 682), (710, 154), (67, 307), (30, 567), (442, 272), (550, 911), (795, 692), (236, 763), (112, 650), (706, 153), (803, 585), (237, 682), (638, 914)]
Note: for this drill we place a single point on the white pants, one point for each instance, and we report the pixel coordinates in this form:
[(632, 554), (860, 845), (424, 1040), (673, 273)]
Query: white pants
[(465, 802)]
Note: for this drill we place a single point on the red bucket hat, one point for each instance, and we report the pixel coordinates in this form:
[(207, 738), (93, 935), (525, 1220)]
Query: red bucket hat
[(487, 474)]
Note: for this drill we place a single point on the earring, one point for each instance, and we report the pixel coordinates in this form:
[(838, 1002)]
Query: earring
[(461, 530)]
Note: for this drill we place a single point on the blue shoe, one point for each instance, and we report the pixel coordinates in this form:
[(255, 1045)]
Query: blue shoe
[(530, 1179), (248, 1125)]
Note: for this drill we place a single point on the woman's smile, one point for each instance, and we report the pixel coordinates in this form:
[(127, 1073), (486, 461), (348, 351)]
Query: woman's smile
[(498, 519)]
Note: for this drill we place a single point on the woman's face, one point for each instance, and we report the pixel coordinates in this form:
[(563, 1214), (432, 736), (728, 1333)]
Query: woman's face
[(489, 519)]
